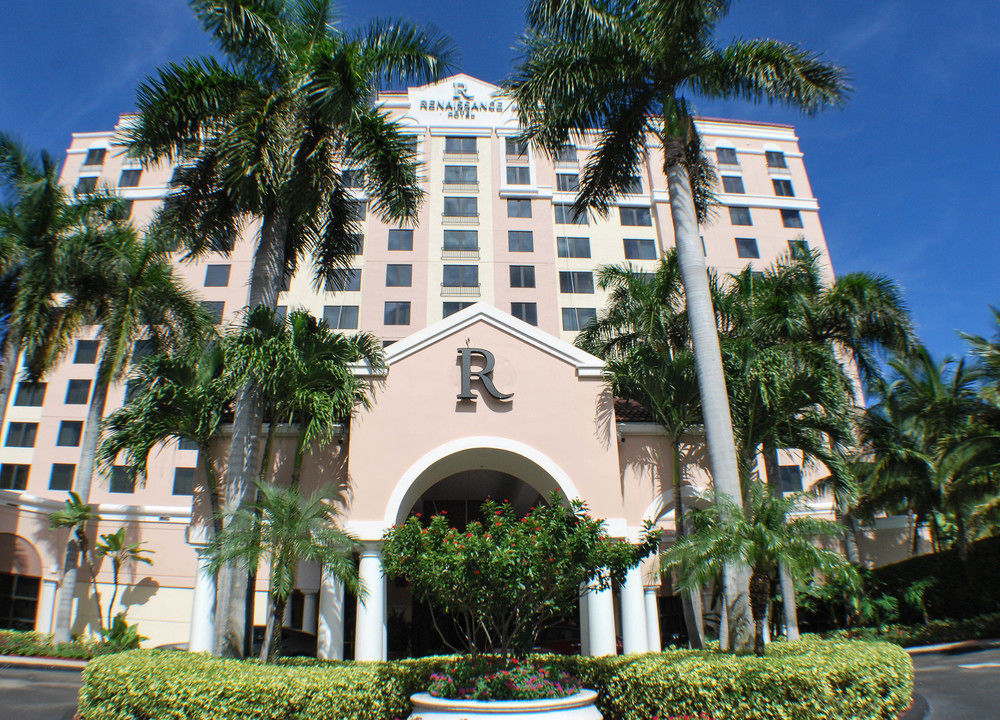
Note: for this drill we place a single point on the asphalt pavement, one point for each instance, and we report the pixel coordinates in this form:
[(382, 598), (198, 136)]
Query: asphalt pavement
[(34, 694), (959, 685)]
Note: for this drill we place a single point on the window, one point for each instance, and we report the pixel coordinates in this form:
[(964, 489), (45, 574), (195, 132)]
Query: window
[(450, 308), (791, 218), (635, 216), (740, 215), (573, 247), (518, 175), (398, 275), (782, 187), (357, 243), (747, 248), (187, 444), (397, 313), (798, 248), (30, 394), (400, 239), (726, 156), (215, 310), (281, 312), (357, 209), (565, 215), (121, 480), (142, 349), (522, 276), (577, 318), (21, 434), (458, 240), (123, 210), (576, 282), (95, 156), (353, 178), (526, 311), (70, 432), (567, 182), (18, 601), (86, 352), (86, 185), (62, 476), (129, 178), (517, 148), (460, 145), (460, 174), (286, 282), (790, 478), (217, 276), (341, 317), (461, 207), (567, 153), (14, 476), (518, 208), (775, 158), (639, 249), (184, 481), (77, 392), (733, 184), (520, 241), (344, 280), (410, 143), (461, 276)]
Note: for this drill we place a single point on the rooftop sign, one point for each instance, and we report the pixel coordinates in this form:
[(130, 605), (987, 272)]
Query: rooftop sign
[(460, 101)]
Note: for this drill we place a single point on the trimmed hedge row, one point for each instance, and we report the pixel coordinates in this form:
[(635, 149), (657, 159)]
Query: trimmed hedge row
[(810, 680), (33, 644)]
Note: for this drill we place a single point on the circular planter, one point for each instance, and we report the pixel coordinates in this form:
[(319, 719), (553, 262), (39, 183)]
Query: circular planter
[(578, 706)]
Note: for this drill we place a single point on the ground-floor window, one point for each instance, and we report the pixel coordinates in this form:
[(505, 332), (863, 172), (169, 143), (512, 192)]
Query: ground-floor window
[(18, 601)]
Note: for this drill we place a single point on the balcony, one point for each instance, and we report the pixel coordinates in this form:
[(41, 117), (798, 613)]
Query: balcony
[(517, 159), (460, 219), (459, 290), (459, 254), (461, 157), (461, 187)]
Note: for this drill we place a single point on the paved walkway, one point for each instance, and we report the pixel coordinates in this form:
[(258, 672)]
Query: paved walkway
[(959, 685), (34, 694)]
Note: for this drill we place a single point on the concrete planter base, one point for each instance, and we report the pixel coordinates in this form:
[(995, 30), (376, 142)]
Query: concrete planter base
[(579, 706)]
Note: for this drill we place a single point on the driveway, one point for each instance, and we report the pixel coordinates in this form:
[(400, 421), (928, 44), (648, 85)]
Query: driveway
[(959, 685), (30, 694)]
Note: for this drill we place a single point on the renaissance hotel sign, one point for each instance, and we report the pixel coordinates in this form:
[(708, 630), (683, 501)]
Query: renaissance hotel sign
[(461, 101)]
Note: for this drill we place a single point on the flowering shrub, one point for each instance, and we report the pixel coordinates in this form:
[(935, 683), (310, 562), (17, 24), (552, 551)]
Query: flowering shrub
[(496, 678)]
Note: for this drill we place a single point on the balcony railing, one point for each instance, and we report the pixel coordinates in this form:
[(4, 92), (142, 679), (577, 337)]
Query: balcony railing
[(459, 291), (459, 254), (460, 219), (461, 157), (461, 187), (517, 159)]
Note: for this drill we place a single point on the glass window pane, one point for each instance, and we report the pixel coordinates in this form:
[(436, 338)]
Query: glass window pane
[(217, 276), (77, 392), (791, 218), (516, 147), (783, 188), (70, 432), (397, 313), (567, 182), (95, 156), (14, 476), (401, 239), (565, 215), (461, 206), (459, 174), (747, 248), (526, 311), (21, 434), (215, 309), (450, 308), (518, 175), (121, 481), (398, 275), (344, 280), (775, 159), (30, 394), (726, 156), (456, 240), (522, 276), (86, 352), (518, 208), (183, 481), (732, 184), (640, 249), (520, 241), (461, 275), (460, 145), (740, 215), (62, 476), (634, 216)]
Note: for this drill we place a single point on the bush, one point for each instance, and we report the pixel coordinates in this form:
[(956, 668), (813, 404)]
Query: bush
[(809, 680), (500, 678), (983, 627), (32, 644)]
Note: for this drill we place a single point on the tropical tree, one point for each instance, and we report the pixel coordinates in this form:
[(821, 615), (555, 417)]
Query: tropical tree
[(75, 515), (284, 528), (122, 553), (624, 67), (267, 135)]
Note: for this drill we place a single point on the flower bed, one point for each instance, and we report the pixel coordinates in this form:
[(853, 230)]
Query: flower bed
[(494, 678)]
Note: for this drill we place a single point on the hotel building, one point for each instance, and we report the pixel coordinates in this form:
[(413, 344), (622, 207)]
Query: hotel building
[(496, 262)]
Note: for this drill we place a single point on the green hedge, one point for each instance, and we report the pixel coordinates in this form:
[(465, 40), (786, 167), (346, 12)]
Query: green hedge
[(810, 680), (981, 627), (32, 644)]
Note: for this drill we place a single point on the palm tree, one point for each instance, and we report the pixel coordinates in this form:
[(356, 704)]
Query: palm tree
[(265, 136), (624, 67), (766, 532), (76, 515), (285, 528), (115, 546)]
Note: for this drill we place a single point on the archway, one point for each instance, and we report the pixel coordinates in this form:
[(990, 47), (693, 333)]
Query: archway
[(20, 582)]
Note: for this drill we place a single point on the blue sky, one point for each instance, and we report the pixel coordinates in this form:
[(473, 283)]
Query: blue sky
[(906, 175)]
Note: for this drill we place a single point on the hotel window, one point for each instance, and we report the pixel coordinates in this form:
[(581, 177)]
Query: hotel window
[(747, 248), (142, 349), (567, 182), (398, 275), (775, 158), (791, 218), (70, 432), (357, 209), (459, 240), (739, 215), (790, 478), (526, 311), (461, 207), (86, 185), (400, 239), (77, 392), (14, 476), (62, 476), (281, 312), (726, 156), (460, 175), (639, 249), (30, 394), (733, 184), (123, 211), (567, 153), (217, 276), (798, 248), (516, 148), (565, 215), (343, 280), (634, 186), (783, 188), (410, 143), (518, 208), (95, 156), (635, 216), (461, 276), (186, 444), (397, 313), (215, 309), (450, 308), (183, 481), (121, 480), (86, 352), (520, 241), (518, 175), (577, 318), (573, 247), (576, 282), (341, 317), (522, 276), (21, 434), (460, 146), (129, 178), (353, 178), (356, 242)]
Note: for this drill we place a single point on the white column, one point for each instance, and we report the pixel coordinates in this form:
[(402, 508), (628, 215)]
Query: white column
[(202, 609), (46, 606), (330, 632), (584, 625), (286, 620), (370, 636), (309, 612), (601, 622), (633, 613), (652, 620)]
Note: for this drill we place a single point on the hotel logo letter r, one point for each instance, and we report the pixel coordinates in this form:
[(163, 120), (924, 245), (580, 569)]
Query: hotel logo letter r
[(485, 375)]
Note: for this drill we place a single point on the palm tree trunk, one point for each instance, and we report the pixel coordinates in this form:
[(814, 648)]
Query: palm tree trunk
[(270, 648), (63, 621), (244, 450), (711, 379), (760, 593), (11, 354), (852, 548), (690, 598), (788, 605), (212, 479)]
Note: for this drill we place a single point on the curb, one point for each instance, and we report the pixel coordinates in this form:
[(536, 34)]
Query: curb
[(919, 709), (961, 646), (42, 663)]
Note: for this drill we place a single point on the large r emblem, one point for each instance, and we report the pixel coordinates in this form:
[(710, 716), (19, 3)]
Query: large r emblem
[(485, 375)]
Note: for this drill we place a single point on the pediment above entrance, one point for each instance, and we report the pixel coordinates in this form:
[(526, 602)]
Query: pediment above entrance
[(459, 101)]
